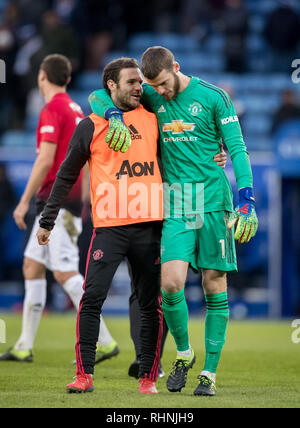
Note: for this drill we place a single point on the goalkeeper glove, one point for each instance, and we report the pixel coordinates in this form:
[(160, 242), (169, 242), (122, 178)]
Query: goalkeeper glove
[(245, 216), (118, 136)]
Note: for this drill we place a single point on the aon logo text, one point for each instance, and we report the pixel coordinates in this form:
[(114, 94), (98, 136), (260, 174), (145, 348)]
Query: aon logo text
[(136, 170)]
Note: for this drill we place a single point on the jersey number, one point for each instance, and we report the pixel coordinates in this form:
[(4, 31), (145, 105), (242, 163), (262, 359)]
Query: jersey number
[(222, 242)]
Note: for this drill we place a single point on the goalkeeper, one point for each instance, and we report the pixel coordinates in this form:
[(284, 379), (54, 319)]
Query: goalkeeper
[(193, 117)]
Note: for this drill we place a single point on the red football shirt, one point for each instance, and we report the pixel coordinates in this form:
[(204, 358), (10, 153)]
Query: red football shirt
[(57, 122)]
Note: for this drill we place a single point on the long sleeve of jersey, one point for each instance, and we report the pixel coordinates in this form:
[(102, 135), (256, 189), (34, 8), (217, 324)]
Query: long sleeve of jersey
[(100, 101), (78, 154), (230, 130)]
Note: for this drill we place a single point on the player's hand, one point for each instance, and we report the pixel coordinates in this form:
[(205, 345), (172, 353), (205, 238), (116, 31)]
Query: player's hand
[(43, 236), (221, 158), (19, 214), (118, 136), (245, 216)]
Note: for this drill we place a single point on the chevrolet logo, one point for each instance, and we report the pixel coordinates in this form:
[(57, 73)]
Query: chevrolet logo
[(178, 127)]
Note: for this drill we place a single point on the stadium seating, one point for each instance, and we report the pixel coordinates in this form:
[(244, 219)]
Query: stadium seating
[(18, 139), (215, 43), (259, 92), (261, 7), (31, 122), (3, 4), (88, 80), (176, 42), (81, 98), (118, 54), (198, 62), (259, 104)]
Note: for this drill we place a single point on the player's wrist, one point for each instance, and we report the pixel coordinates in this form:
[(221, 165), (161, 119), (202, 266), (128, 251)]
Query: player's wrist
[(45, 225), (246, 195), (113, 112), (24, 201)]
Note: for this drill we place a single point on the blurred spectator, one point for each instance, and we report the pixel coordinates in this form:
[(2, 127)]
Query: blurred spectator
[(196, 18), (282, 31), (8, 49), (31, 11), (133, 11), (234, 23), (166, 15), (30, 43), (65, 9), (289, 109), (217, 5), (7, 195), (8, 201), (97, 47), (58, 38), (35, 43), (102, 26)]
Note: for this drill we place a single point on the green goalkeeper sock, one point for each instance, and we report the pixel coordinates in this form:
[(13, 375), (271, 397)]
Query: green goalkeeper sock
[(216, 323), (175, 311)]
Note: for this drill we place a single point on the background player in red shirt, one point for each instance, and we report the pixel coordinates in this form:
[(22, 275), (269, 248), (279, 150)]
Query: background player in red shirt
[(58, 120)]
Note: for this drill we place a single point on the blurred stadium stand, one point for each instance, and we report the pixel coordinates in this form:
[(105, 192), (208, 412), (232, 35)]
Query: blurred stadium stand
[(258, 89), (259, 92), (15, 139)]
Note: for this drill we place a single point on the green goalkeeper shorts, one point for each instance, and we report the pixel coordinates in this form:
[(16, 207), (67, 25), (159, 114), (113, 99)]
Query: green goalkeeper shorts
[(211, 246)]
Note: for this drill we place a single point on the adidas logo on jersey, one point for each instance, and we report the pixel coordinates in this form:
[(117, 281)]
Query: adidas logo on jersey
[(134, 133), (161, 109)]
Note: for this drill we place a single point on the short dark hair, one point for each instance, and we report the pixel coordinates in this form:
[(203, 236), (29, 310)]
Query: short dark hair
[(112, 70), (156, 59), (58, 69)]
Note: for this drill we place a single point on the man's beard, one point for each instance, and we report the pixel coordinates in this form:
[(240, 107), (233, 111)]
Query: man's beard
[(175, 89), (176, 86), (125, 103)]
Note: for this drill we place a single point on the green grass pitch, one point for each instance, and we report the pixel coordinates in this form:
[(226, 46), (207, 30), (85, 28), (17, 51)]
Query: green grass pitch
[(260, 367)]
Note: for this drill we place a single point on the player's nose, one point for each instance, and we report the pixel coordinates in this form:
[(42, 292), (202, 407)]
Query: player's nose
[(137, 87)]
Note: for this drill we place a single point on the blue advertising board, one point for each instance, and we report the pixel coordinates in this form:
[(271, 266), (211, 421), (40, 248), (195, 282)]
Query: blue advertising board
[(287, 145)]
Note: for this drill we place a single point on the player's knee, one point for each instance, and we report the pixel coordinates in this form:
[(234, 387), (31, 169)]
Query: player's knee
[(26, 270), (32, 270), (62, 277), (214, 281), (173, 276), (172, 285)]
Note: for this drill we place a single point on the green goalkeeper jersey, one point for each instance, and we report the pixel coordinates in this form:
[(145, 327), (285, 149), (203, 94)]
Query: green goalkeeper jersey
[(192, 127)]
